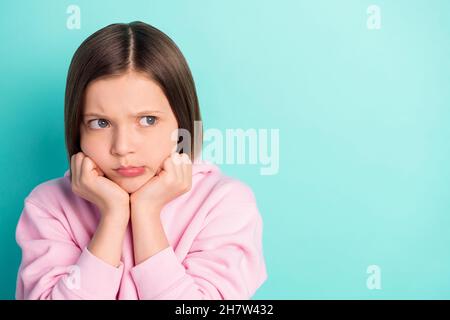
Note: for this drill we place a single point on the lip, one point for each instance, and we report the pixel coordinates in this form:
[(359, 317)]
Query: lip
[(131, 171)]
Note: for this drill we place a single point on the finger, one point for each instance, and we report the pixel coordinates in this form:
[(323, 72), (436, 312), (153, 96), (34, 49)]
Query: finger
[(78, 161), (178, 165), (87, 166), (187, 164), (176, 159), (187, 169), (100, 171), (185, 158), (169, 168)]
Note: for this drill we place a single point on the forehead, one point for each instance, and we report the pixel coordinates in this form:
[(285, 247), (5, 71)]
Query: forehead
[(129, 92)]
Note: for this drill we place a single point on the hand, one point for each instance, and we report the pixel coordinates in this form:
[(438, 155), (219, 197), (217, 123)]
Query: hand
[(173, 179), (88, 182)]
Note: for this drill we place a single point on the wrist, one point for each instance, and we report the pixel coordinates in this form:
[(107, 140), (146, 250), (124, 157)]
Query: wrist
[(145, 212), (115, 218), (145, 205)]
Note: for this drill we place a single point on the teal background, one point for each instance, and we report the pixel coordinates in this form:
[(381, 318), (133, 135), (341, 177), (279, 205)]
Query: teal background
[(363, 118)]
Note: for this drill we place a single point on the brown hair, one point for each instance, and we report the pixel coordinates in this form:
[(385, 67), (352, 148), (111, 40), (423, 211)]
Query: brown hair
[(137, 46)]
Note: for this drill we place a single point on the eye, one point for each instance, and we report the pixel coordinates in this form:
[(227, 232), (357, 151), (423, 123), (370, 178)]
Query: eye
[(101, 123), (148, 121)]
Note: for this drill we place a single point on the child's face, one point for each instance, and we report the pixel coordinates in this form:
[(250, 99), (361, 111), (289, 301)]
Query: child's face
[(118, 136)]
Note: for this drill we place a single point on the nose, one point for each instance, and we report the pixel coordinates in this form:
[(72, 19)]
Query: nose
[(122, 142)]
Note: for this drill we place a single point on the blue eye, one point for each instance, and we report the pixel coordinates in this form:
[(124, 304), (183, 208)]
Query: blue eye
[(99, 121), (149, 120), (102, 123)]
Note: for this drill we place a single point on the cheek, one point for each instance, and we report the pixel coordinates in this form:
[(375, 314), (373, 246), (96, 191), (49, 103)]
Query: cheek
[(87, 144), (156, 149), (161, 141), (170, 137), (96, 150)]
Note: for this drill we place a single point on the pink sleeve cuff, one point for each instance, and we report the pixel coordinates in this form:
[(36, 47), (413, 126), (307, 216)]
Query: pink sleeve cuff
[(97, 279), (157, 274)]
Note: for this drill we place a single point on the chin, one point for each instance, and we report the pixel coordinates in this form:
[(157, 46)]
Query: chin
[(131, 185), (130, 188)]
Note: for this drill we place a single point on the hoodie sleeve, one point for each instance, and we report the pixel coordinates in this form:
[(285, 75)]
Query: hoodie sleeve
[(53, 267), (225, 261)]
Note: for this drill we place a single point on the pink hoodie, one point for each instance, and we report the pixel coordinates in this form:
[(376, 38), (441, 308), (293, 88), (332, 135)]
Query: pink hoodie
[(215, 252)]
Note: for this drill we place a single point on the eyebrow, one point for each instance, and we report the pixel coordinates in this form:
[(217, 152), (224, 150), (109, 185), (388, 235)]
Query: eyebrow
[(145, 112)]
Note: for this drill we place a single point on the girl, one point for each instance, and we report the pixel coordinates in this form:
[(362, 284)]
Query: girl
[(134, 217)]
